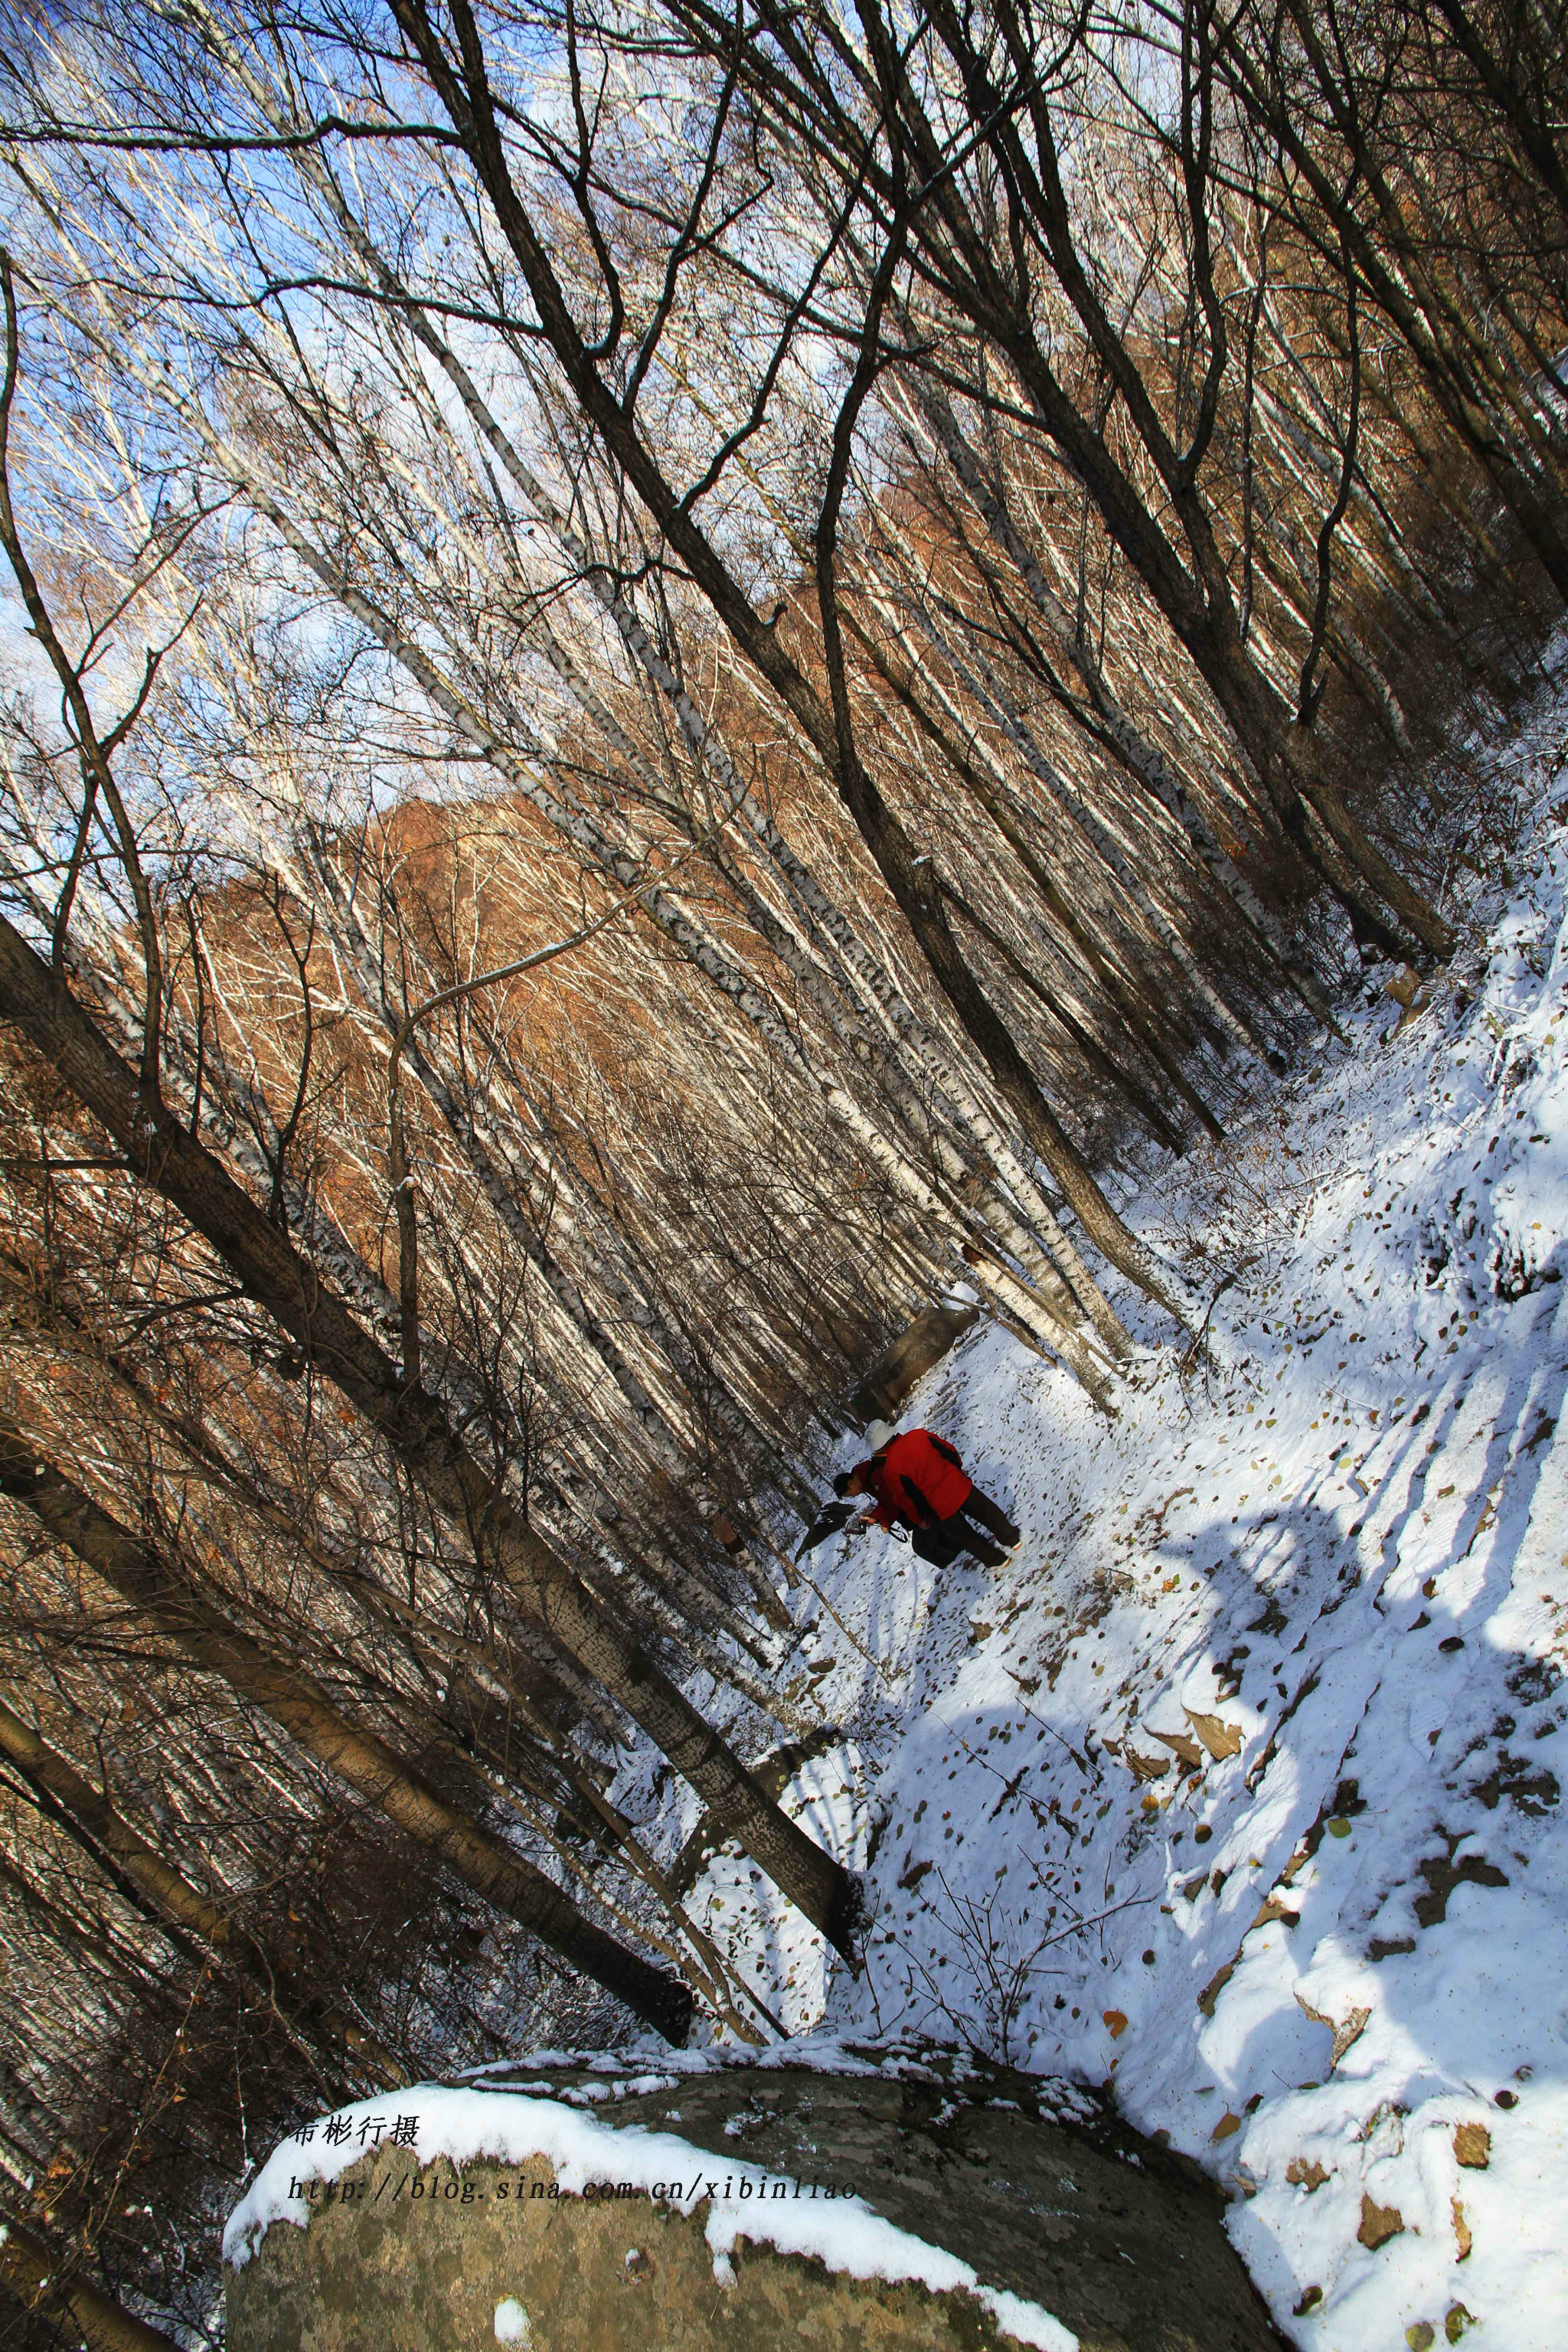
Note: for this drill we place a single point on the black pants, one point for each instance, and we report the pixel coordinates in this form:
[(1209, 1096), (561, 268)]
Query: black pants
[(972, 1529)]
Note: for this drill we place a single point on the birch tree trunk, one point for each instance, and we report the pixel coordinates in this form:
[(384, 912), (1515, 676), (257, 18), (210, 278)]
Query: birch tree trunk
[(44, 2279), (172, 1897), (265, 1262), (297, 1703)]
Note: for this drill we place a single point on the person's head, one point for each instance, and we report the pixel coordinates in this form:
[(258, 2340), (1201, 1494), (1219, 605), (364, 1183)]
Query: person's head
[(850, 1483)]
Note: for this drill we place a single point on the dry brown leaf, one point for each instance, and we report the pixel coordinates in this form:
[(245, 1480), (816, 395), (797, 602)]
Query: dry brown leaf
[(1226, 2127), (1146, 1768), (1353, 2027), (1116, 2022), (1221, 1739), (1305, 2172), (1215, 1986), (1461, 2230), (1473, 2145), (1275, 1910), (1379, 2222), (1187, 1750)]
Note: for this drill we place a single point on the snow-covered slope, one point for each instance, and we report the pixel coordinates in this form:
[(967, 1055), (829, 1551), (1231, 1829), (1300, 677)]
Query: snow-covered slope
[(1240, 1784)]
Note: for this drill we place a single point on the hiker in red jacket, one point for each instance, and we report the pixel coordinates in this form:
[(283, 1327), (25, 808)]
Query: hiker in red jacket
[(918, 1481)]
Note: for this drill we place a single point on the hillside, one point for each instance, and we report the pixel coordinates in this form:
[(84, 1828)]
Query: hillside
[(1238, 1785), (682, 683)]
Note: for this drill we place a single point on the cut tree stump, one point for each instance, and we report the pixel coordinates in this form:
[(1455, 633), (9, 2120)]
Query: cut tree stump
[(918, 1348)]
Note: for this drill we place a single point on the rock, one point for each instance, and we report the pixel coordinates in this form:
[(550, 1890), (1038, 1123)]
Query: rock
[(1047, 2198)]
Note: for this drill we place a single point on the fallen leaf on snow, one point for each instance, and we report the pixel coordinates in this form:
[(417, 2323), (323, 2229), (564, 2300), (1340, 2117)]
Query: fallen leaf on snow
[(1115, 2021), (1228, 2124), (1443, 1875), (1473, 2145), (1216, 1986), (1306, 2172), (1187, 1750), (1379, 2222), (1146, 1768), (1458, 2319), (1350, 2031), (1421, 2336), (1462, 2238), (1221, 1739)]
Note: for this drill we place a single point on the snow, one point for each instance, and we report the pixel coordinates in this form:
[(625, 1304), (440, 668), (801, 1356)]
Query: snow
[(461, 2124), (1236, 1787)]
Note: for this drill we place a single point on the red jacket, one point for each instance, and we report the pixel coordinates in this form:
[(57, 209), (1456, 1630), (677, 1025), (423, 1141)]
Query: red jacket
[(917, 1478)]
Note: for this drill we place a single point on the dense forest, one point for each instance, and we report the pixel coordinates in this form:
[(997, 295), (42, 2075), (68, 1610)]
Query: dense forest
[(678, 675)]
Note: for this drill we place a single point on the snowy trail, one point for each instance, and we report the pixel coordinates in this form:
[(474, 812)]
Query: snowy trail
[(1238, 1784)]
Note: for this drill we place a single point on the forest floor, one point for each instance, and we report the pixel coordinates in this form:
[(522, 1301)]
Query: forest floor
[(1237, 1787)]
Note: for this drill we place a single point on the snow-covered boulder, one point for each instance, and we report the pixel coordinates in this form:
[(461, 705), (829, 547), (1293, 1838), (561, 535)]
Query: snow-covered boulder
[(891, 2201)]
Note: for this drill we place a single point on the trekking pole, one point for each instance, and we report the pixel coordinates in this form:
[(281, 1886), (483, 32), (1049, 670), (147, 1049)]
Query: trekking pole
[(842, 1628)]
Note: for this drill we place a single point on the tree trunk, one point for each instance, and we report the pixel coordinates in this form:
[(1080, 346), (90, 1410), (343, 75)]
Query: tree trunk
[(40, 2277), (298, 1703), (162, 1886), (1141, 758), (467, 97), (263, 1259)]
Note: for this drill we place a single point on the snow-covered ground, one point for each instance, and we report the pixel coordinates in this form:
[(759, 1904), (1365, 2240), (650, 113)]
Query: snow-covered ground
[(1238, 1784)]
